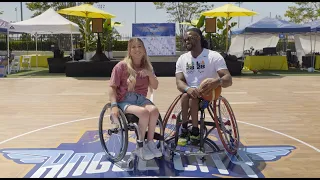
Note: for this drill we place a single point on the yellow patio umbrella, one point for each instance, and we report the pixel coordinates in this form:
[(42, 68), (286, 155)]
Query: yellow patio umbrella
[(228, 10), (87, 11)]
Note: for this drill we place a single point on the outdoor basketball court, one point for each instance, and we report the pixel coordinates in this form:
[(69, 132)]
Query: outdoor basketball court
[(50, 129)]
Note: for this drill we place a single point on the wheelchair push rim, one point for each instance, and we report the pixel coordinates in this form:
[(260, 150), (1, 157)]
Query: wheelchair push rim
[(113, 135), (171, 115), (226, 125)]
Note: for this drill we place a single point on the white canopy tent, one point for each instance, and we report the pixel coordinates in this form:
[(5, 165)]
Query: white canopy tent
[(240, 42), (303, 45), (49, 22), (4, 25), (309, 43), (269, 30)]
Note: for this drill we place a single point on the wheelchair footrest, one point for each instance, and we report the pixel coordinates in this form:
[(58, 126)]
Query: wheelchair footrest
[(156, 136), (188, 153)]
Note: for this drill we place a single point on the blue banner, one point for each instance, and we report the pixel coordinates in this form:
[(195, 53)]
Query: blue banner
[(153, 29)]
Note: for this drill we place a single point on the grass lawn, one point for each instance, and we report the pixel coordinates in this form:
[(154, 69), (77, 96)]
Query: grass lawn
[(39, 72), (290, 72)]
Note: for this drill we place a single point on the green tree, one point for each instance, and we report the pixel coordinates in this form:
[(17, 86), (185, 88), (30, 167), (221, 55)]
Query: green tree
[(304, 12), (218, 39), (40, 7), (109, 34), (183, 12)]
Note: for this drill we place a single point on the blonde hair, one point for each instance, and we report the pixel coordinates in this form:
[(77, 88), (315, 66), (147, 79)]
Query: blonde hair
[(145, 63)]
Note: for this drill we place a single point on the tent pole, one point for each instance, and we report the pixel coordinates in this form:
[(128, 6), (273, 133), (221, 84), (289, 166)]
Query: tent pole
[(36, 49), (227, 34), (8, 51), (244, 43), (72, 44), (314, 50)]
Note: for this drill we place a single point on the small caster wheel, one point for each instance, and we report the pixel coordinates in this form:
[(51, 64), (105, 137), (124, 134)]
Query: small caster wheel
[(171, 155), (158, 145), (109, 132), (130, 163), (159, 157), (172, 146), (203, 159)]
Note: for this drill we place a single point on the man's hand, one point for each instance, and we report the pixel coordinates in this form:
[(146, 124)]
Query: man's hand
[(208, 86), (193, 92)]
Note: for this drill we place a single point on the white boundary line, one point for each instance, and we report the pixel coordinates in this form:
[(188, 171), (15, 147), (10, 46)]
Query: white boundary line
[(293, 138), (306, 92), (47, 127)]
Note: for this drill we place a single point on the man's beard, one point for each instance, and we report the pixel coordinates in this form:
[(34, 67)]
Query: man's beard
[(190, 47)]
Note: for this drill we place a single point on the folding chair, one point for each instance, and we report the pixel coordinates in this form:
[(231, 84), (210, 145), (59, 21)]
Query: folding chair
[(15, 65), (26, 60)]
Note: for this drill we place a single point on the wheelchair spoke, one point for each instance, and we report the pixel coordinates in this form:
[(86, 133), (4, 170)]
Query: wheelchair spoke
[(227, 126), (113, 135)]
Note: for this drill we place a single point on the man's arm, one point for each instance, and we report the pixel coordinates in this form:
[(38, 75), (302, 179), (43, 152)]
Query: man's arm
[(181, 82), (226, 78)]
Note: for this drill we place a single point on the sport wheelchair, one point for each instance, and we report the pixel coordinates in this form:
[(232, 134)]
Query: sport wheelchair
[(223, 120), (115, 136)]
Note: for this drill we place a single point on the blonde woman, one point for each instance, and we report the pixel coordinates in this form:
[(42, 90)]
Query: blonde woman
[(129, 84)]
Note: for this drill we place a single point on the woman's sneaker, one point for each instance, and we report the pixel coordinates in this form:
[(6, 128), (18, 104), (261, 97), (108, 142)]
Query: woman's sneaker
[(144, 153), (155, 151)]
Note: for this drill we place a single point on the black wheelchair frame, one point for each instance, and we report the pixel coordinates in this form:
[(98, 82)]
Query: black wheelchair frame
[(129, 122)]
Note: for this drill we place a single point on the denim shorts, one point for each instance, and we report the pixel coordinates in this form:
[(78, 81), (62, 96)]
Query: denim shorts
[(133, 98)]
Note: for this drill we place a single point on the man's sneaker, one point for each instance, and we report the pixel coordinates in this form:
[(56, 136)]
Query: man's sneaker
[(152, 147), (184, 137), (144, 153), (195, 136), (195, 140)]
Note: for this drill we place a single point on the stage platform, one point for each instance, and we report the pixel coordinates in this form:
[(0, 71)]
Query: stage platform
[(104, 68)]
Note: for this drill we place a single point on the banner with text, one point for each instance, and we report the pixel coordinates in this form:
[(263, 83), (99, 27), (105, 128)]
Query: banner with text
[(158, 38)]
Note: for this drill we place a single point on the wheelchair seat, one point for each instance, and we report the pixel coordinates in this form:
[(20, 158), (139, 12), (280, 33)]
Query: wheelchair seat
[(131, 118)]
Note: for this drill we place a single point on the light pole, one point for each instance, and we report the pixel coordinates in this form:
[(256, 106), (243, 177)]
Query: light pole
[(21, 11), (16, 9), (101, 6), (135, 12), (252, 17), (239, 3)]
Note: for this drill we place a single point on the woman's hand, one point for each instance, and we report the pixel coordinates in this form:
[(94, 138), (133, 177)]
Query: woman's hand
[(130, 84), (115, 112), (145, 73)]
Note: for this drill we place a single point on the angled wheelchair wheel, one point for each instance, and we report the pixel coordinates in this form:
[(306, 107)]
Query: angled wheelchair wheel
[(170, 118), (226, 125), (113, 134)]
